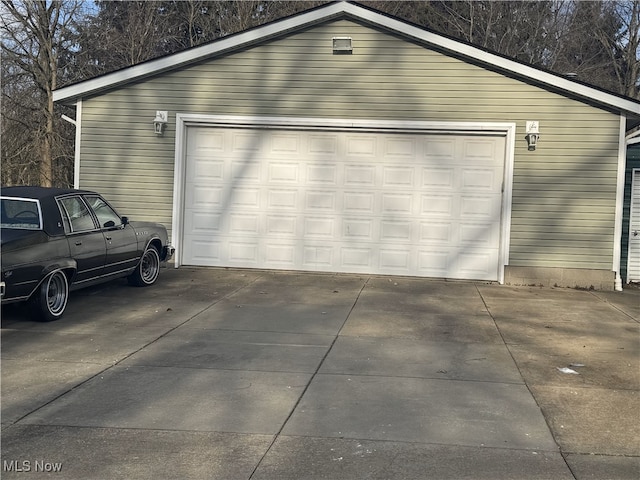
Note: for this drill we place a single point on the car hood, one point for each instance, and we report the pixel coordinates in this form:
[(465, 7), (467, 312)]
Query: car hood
[(142, 225), (12, 239)]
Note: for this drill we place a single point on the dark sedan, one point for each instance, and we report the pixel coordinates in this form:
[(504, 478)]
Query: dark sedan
[(58, 240)]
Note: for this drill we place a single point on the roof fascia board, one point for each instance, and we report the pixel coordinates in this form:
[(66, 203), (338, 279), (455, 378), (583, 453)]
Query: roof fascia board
[(169, 62), (325, 13)]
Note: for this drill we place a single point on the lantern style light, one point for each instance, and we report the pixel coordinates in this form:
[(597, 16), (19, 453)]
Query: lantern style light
[(533, 134), (160, 121)]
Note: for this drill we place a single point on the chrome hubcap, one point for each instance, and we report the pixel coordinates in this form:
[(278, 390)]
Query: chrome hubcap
[(56, 294), (150, 266)]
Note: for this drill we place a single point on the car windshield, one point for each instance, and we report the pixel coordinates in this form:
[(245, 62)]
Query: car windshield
[(20, 213)]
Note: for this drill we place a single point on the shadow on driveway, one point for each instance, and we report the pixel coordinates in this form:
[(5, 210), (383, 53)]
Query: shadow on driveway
[(221, 373)]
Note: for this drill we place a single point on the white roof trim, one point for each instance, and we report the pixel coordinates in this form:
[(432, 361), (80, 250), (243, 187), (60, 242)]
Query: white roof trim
[(264, 32)]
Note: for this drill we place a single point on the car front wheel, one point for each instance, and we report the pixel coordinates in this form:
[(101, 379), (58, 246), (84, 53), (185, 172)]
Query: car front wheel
[(147, 271), (50, 301)]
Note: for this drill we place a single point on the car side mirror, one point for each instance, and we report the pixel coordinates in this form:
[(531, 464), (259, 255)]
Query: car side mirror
[(125, 221)]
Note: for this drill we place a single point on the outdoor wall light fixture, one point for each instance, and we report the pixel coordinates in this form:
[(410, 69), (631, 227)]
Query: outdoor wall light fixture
[(160, 121), (533, 134)]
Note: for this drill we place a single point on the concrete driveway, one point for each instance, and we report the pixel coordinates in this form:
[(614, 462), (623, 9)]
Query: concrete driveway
[(236, 374)]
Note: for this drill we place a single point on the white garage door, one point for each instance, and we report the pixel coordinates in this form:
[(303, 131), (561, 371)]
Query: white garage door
[(406, 204)]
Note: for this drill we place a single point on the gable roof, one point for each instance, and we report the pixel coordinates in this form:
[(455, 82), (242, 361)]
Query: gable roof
[(566, 86)]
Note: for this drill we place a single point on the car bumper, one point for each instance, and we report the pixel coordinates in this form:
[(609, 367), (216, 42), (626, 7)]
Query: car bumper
[(167, 252)]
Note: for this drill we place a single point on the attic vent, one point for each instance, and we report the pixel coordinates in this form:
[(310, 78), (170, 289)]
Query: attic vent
[(342, 45)]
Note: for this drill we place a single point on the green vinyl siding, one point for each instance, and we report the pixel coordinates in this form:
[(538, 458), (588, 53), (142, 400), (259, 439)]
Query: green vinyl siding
[(633, 163), (563, 193)]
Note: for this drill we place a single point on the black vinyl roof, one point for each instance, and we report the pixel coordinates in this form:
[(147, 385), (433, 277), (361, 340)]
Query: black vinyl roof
[(45, 196), (38, 193)]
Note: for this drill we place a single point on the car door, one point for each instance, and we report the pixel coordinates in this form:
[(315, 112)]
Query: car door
[(120, 237), (86, 241)]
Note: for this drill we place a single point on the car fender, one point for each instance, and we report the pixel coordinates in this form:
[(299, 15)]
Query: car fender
[(152, 238), (63, 264), (165, 250)]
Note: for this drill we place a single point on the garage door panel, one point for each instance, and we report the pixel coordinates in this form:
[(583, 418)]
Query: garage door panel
[(281, 254), (359, 202), (361, 145), (203, 222), (242, 224), (204, 169), (319, 227), (243, 253), (480, 150), (248, 141), (401, 148), (359, 258), (434, 263), (475, 264), (393, 231), (206, 252), (395, 260), (406, 204), (480, 207), (280, 172), (322, 145), (482, 180), (438, 206), (285, 143), (246, 171), (206, 141), (281, 226), (478, 234), (318, 257), (360, 175), (325, 175), (439, 233), (204, 196), (440, 149), (278, 199), (356, 229), (243, 198), (441, 178), (321, 200), (397, 203), (394, 177)]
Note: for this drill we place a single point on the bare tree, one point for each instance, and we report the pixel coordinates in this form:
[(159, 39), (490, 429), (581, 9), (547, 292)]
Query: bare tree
[(34, 35), (50, 43), (124, 33), (598, 41), (623, 46)]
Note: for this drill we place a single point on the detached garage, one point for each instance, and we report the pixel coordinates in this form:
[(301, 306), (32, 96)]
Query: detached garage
[(344, 140)]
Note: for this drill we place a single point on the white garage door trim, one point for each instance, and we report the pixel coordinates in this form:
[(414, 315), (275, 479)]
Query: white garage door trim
[(184, 121)]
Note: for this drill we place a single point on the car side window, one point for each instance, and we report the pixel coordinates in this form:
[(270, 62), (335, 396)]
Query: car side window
[(76, 215), (107, 217), (20, 213)]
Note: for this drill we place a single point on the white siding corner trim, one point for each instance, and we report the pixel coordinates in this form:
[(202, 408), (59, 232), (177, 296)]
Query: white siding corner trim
[(356, 126), (617, 235), (76, 160)]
